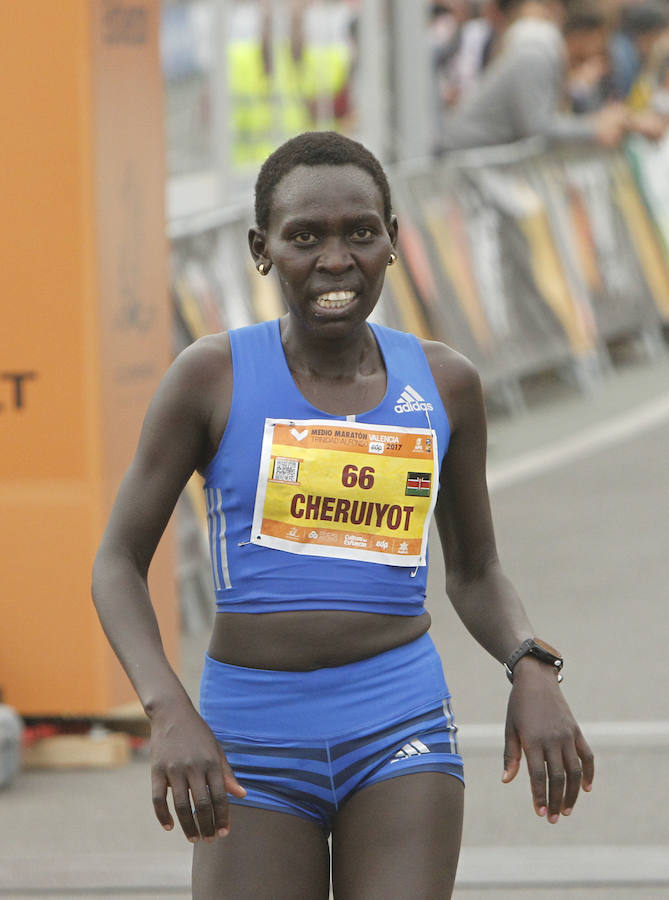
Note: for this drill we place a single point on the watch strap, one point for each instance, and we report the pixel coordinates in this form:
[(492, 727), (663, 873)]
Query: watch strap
[(523, 650), (532, 647)]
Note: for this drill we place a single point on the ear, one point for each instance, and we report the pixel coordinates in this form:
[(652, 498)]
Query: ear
[(258, 248), (393, 231)]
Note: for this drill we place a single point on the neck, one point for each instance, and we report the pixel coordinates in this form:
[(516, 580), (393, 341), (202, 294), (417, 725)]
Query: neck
[(332, 358), (533, 9)]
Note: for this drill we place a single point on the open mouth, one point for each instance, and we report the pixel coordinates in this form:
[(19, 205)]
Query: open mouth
[(335, 299)]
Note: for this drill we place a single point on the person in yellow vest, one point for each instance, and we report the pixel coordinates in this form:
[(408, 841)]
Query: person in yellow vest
[(250, 102), (282, 84)]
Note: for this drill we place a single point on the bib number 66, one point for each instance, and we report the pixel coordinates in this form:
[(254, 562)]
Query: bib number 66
[(363, 478)]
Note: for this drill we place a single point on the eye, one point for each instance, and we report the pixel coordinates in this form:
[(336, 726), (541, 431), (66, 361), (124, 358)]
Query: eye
[(362, 234), (305, 238)]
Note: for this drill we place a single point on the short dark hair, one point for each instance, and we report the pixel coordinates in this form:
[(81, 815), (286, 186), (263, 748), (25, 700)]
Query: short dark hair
[(506, 6), (586, 17), (642, 19), (316, 148)]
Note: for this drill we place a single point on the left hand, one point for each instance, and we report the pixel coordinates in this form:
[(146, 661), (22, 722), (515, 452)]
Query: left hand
[(540, 723)]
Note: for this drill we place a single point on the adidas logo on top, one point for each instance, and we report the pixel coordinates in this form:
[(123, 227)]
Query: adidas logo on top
[(411, 401)]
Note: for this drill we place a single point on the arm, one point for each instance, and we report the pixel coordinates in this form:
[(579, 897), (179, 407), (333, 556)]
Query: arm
[(179, 435), (536, 88), (539, 721)]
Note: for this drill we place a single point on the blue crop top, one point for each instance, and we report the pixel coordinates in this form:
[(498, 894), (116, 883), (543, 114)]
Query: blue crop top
[(252, 578)]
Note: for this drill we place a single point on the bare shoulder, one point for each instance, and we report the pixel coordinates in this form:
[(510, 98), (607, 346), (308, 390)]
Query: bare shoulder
[(192, 402), (198, 376), (456, 378), (203, 381), (204, 363)]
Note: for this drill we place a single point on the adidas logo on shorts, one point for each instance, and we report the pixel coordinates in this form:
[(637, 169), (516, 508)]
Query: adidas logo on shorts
[(413, 748), (411, 401)]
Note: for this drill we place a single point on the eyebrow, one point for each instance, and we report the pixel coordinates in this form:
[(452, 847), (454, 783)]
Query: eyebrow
[(301, 223)]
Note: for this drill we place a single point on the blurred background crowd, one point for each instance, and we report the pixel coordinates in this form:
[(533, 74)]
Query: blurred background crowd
[(507, 69), (483, 72)]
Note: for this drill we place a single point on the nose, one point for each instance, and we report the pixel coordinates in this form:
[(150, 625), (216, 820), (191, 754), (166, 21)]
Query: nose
[(334, 257)]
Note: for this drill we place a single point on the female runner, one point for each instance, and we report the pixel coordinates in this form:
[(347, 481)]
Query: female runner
[(326, 444)]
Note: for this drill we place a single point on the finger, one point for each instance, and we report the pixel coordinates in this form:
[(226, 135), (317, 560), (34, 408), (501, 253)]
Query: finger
[(556, 784), (232, 786), (587, 761), (203, 812), (183, 809), (159, 797), (536, 767), (512, 756), (219, 800), (572, 765)]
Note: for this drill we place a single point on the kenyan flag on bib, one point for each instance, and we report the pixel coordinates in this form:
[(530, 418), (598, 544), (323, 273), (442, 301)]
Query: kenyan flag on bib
[(418, 484)]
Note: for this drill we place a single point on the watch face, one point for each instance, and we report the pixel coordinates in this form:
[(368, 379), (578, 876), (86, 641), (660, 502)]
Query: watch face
[(548, 648)]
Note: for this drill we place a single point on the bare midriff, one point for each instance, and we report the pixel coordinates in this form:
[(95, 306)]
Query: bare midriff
[(306, 640)]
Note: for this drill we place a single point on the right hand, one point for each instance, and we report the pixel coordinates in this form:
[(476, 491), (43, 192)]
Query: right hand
[(186, 757)]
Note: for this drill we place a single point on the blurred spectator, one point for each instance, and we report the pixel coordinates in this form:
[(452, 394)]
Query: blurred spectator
[(645, 25), (660, 95), (587, 34), (640, 25), (476, 41), (657, 19), (446, 19), (522, 90)]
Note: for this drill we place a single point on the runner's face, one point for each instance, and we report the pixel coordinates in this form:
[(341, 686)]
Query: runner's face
[(329, 242)]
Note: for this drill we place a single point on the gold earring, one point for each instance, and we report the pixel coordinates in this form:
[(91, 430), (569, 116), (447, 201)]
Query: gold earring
[(262, 269), (393, 259)]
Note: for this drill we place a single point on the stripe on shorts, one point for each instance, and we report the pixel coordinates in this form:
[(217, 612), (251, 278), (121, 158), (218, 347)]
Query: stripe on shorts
[(315, 780)]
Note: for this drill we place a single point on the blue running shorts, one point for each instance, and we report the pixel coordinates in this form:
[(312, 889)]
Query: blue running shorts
[(304, 742)]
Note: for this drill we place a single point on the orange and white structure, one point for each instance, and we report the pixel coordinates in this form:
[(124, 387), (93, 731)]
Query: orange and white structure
[(86, 331)]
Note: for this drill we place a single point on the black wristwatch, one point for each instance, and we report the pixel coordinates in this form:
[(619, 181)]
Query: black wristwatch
[(541, 651)]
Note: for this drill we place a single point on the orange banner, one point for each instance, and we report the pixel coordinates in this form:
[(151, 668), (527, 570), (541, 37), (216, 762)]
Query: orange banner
[(86, 331)]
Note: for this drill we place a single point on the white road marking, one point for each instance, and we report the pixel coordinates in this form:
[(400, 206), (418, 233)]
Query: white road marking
[(644, 418), (563, 866), (490, 735), (81, 875)]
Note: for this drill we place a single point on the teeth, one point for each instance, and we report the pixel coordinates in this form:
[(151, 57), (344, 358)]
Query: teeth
[(335, 299)]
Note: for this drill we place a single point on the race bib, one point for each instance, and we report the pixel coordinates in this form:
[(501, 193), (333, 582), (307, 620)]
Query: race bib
[(346, 489)]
